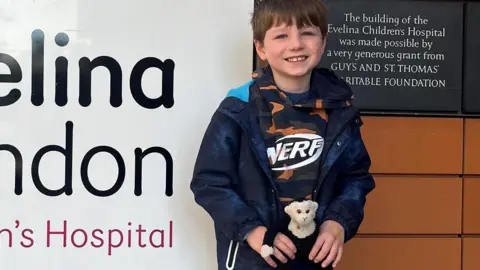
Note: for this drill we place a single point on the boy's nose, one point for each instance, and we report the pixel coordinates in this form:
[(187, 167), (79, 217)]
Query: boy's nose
[(295, 42)]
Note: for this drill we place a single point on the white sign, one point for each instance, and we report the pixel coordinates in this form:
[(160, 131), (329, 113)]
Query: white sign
[(103, 105)]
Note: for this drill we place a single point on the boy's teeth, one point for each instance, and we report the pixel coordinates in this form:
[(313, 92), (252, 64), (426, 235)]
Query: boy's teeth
[(296, 59)]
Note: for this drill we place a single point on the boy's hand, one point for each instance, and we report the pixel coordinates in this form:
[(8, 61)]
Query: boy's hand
[(280, 243), (330, 239)]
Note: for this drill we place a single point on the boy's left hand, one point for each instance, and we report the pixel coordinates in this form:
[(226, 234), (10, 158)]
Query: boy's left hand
[(330, 240)]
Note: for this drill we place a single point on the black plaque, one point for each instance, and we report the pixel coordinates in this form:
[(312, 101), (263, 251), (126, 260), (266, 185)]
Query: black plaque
[(398, 56), (472, 59)]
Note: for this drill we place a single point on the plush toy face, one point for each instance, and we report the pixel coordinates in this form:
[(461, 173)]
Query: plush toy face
[(302, 212)]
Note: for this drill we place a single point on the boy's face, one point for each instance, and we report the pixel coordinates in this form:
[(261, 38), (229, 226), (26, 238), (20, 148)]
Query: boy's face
[(292, 52)]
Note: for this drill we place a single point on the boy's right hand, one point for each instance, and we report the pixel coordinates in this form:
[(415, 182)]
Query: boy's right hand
[(280, 243)]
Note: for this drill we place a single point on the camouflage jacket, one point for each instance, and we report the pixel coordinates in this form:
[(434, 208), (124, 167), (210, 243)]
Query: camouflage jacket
[(233, 182)]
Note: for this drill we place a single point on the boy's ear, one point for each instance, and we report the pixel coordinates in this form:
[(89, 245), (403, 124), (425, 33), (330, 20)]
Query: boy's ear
[(325, 37), (324, 42), (260, 49)]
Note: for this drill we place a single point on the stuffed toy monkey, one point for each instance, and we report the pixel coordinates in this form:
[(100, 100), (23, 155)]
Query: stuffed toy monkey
[(299, 226)]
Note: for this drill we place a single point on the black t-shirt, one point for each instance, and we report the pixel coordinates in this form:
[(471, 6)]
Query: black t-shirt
[(302, 151)]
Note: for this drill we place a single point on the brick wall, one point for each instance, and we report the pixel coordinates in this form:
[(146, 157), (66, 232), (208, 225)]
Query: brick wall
[(424, 212)]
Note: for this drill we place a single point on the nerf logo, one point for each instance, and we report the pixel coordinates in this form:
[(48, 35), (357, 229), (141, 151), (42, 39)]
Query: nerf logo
[(295, 151)]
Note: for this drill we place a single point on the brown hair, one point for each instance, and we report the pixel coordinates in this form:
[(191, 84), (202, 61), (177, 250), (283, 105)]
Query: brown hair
[(268, 13)]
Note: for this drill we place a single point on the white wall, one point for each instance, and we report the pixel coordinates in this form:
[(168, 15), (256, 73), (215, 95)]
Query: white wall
[(210, 44)]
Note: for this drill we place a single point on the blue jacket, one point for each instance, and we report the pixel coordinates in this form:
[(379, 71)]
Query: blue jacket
[(233, 183)]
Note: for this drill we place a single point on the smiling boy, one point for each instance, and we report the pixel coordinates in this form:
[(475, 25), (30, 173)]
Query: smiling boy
[(289, 133)]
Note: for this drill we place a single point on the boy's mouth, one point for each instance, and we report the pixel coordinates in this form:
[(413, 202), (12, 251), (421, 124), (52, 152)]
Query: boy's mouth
[(297, 58)]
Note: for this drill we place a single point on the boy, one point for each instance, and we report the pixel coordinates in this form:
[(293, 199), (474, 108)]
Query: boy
[(268, 144)]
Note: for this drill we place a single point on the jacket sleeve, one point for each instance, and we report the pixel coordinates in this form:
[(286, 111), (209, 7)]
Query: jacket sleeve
[(355, 182), (215, 176)]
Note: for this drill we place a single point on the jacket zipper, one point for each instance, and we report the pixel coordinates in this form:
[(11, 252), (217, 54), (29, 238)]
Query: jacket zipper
[(324, 157), (273, 189)]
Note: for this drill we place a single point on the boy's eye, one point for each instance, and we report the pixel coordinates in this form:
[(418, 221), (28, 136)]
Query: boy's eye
[(308, 33), (281, 36)]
